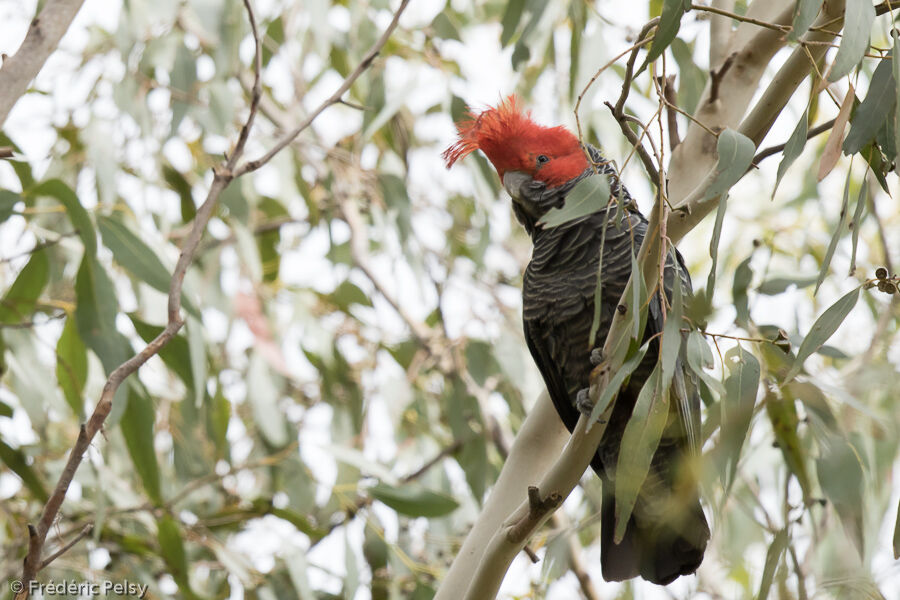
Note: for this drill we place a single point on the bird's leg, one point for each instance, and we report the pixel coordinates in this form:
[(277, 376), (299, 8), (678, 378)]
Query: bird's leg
[(596, 356)]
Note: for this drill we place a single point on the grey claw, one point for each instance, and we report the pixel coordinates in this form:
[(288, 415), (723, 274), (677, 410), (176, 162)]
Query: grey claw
[(596, 356), (583, 401)]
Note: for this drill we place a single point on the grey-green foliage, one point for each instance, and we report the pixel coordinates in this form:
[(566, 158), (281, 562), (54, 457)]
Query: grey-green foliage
[(299, 398)]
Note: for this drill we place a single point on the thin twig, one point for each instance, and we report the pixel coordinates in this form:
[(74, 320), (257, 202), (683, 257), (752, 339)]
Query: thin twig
[(81, 535), (335, 98), (618, 111), (767, 152), (670, 98), (742, 18), (39, 246), (32, 323), (360, 253)]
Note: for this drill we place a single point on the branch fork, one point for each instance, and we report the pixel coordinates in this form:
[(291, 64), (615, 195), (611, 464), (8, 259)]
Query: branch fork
[(538, 510)]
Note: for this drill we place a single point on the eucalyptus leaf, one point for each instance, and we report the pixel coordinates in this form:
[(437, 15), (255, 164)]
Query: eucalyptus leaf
[(735, 151), (137, 426), (875, 109), (792, 148), (669, 24), (737, 409), (822, 329), (804, 17), (589, 195), (858, 18), (80, 218), (773, 557), (414, 500), (19, 302), (639, 442)]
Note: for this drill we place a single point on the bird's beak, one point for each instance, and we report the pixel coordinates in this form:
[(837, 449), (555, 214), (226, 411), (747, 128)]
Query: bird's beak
[(514, 182)]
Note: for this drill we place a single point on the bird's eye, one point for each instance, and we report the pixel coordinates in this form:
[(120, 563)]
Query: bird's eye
[(543, 158)]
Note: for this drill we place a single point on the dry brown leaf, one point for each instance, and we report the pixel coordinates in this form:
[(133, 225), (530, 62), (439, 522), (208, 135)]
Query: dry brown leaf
[(833, 146)]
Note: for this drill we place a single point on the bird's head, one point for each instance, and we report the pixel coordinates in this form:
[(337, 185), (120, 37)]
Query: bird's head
[(530, 159)]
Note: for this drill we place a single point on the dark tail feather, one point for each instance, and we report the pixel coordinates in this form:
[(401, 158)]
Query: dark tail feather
[(660, 548)]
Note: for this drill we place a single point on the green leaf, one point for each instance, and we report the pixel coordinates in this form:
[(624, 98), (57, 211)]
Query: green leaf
[(638, 300), (804, 17), (137, 257), (896, 540), (735, 151), (671, 337), (71, 366), (639, 442), (692, 78), (858, 18), (8, 201), (700, 358), (742, 277), (782, 412), (773, 557), (18, 303), (598, 288), (444, 27), (137, 428), (840, 474), (480, 361), (197, 352), (861, 202), (18, 464), (835, 237), (264, 402), (79, 217), (895, 71), (616, 382), (180, 186), (793, 147), (823, 329), (217, 423), (589, 195), (737, 409), (510, 22), (413, 500), (347, 294), (669, 24), (779, 285), (467, 425), (714, 246), (872, 112), (133, 254), (95, 314), (171, 549), (175, 354)]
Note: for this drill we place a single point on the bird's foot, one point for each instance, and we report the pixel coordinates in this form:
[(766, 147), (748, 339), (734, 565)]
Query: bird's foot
[(583, 401), (596, 356)]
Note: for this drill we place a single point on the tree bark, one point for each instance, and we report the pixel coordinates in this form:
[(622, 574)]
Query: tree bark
[(44, 34)]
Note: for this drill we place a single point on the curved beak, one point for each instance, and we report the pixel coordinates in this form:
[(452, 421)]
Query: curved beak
[(515, 183)]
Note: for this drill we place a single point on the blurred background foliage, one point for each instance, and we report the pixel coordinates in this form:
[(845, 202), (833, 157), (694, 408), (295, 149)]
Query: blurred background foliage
[(353, 369)]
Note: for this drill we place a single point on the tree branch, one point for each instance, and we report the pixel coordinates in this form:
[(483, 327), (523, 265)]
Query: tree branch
[(335, 98), (693, 169), (756, 124), (767, 152), (221, 178), (719, 33), (44, 34)]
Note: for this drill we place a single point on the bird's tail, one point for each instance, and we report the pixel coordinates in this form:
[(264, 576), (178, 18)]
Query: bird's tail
[(666, 535)]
